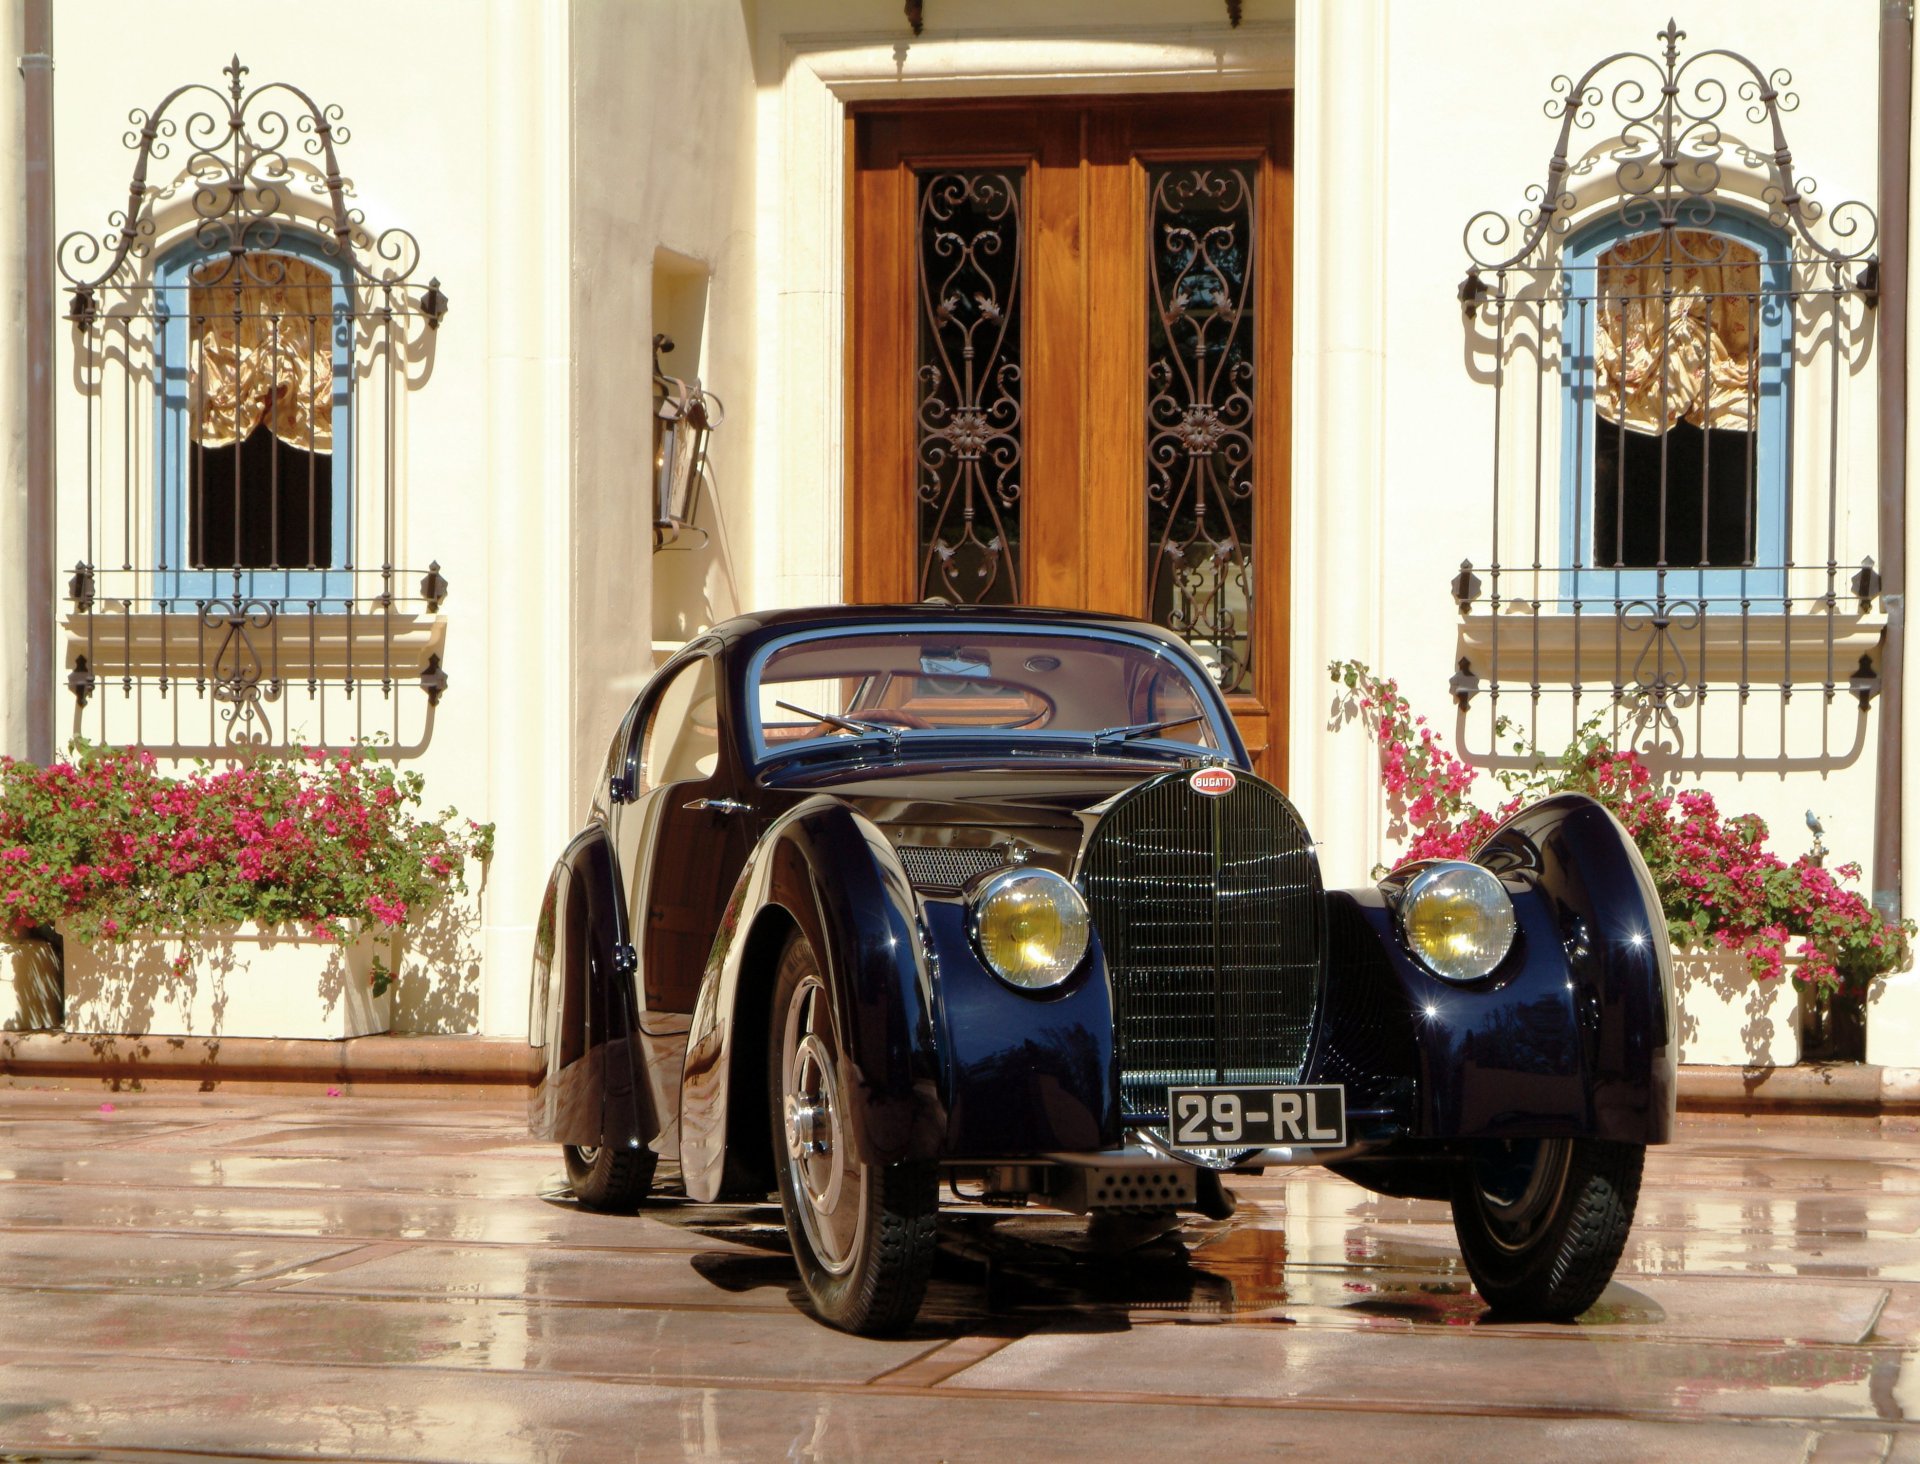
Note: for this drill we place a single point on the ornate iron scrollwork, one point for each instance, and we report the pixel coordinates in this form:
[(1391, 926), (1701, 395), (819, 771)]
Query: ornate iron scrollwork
[(1652, 560), (160, 609), (239, 170), (1667, 160), (1200, 411), (969, 446)]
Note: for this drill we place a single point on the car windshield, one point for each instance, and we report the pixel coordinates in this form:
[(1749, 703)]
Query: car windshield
[(966, 679)]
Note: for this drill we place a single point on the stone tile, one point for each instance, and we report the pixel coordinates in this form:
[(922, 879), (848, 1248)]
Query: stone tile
[(516, 1419), (404, 1279), (737, 1277), (172, 1262), (474, 1175), (775, 1343), (1483, 1373), (517, 1220)]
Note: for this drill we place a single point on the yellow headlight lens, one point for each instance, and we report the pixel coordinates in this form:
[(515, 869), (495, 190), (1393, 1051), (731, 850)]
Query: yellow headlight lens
[(1458, 920), (1030, 926)]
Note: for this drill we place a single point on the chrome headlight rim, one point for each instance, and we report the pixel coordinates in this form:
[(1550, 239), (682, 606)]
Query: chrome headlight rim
[(1496, 904), (980, 896)]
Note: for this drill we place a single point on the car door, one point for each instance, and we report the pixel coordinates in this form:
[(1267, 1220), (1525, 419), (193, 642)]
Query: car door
[(682, 840)]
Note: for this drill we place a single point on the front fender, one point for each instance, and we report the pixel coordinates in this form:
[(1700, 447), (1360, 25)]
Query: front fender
[(1573, 1036), (1608, 918), (828, 872)]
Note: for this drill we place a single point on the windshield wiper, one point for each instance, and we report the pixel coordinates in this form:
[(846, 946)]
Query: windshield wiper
[(1142, 729), (849, 724)]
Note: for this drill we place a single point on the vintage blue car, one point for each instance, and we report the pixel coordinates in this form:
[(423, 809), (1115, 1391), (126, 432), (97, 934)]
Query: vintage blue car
[(873, 899)]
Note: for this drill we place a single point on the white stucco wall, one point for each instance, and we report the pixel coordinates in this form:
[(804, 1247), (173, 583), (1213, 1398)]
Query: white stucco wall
[(547, 152), (663, 166), (466, 147), (1465, 132)]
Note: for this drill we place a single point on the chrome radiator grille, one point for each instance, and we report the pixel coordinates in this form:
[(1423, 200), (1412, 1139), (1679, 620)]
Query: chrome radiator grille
[(1212, 919)]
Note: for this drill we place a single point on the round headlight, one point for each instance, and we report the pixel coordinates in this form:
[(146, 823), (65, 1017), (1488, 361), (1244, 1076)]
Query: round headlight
[(1458, 920), (1030, 927)]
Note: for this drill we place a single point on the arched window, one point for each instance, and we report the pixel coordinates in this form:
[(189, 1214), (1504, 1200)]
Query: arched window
[(255, 481), (1676, 425)]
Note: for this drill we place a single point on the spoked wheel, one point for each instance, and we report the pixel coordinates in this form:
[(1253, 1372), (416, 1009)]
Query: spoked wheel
[(604, 1177), (1542, 1222), (862, 1234)]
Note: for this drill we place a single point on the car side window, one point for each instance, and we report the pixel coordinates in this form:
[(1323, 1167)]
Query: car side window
[(681, 741)]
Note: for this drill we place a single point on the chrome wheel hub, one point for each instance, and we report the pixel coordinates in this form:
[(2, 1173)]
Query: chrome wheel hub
[(829, 1184)]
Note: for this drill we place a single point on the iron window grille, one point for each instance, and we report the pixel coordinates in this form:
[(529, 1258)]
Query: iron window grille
[(243, 345), (1671, 329)]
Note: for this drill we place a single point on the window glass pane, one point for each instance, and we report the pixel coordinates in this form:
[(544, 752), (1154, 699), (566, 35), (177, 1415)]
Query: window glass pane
[(1200, 410), (260, 404), (968, 445), (683, 732), (1677, 393)]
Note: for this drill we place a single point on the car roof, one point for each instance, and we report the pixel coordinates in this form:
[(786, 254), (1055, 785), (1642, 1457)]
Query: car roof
[(765, 624)]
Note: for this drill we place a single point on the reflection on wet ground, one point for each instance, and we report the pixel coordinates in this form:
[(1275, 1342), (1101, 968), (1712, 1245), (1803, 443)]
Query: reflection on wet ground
[(198, 1275)]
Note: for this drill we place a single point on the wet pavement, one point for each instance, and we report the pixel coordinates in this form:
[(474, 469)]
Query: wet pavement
[(197, 1275)]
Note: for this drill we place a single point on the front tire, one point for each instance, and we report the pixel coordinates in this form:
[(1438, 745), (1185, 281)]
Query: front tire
[(606, 1178), (1542, 1222), (862, 1234)]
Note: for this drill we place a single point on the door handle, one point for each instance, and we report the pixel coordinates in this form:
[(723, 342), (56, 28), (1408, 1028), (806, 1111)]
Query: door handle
[(717, 805)]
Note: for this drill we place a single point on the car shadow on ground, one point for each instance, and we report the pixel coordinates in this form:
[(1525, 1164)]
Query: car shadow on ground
[(1019, 1270)]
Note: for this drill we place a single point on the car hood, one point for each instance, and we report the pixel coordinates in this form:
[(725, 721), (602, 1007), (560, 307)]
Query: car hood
[(1001, 795)]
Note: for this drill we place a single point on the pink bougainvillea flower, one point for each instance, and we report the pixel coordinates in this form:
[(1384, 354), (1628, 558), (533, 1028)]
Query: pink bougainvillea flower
[(1719, 883)]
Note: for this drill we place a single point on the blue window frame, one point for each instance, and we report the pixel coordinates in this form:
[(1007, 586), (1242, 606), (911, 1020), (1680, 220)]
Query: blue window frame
[(329, 582), (1725, 581)]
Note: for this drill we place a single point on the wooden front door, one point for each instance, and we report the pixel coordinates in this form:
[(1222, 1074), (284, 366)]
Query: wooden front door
[(1070, 377)]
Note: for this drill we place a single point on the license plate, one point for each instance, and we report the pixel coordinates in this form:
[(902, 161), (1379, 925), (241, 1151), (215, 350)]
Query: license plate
[(1301, 1115)]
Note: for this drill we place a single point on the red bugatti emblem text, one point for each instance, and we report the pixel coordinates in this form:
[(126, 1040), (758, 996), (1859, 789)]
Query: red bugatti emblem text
[(1213, 781)]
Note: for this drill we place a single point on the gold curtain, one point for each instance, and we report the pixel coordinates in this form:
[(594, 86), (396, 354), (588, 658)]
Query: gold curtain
[(262, 351), (1710, 327)]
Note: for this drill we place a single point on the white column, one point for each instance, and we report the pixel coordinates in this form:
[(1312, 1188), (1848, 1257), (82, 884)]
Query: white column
[(1340, 188), (798, 468), (529, 508), (1893, 1016), (14, 692)]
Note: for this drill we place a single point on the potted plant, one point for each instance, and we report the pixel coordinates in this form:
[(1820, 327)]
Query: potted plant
[(1755, 936), (260, 899)]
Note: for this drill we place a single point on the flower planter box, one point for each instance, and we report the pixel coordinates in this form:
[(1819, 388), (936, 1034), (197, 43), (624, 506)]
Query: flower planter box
[(1729, 1018), (29, 985), (238, 981)]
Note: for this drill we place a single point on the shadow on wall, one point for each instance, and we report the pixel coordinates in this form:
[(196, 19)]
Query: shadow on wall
[(437, 989), (1732, 1018), (232, 981)]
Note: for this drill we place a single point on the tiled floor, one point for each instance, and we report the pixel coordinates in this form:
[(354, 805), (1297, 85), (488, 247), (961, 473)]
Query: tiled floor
[(185, 1276)]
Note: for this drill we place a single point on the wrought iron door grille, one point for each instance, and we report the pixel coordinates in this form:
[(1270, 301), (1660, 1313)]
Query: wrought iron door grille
[(1674, 510), (970, 444), (1212, 920), (1201, 354), (238, 577)]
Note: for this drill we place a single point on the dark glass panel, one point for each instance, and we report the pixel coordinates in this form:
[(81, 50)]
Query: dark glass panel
[(1627, 514), (281, 517), (968, 448), (1200, 410)]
